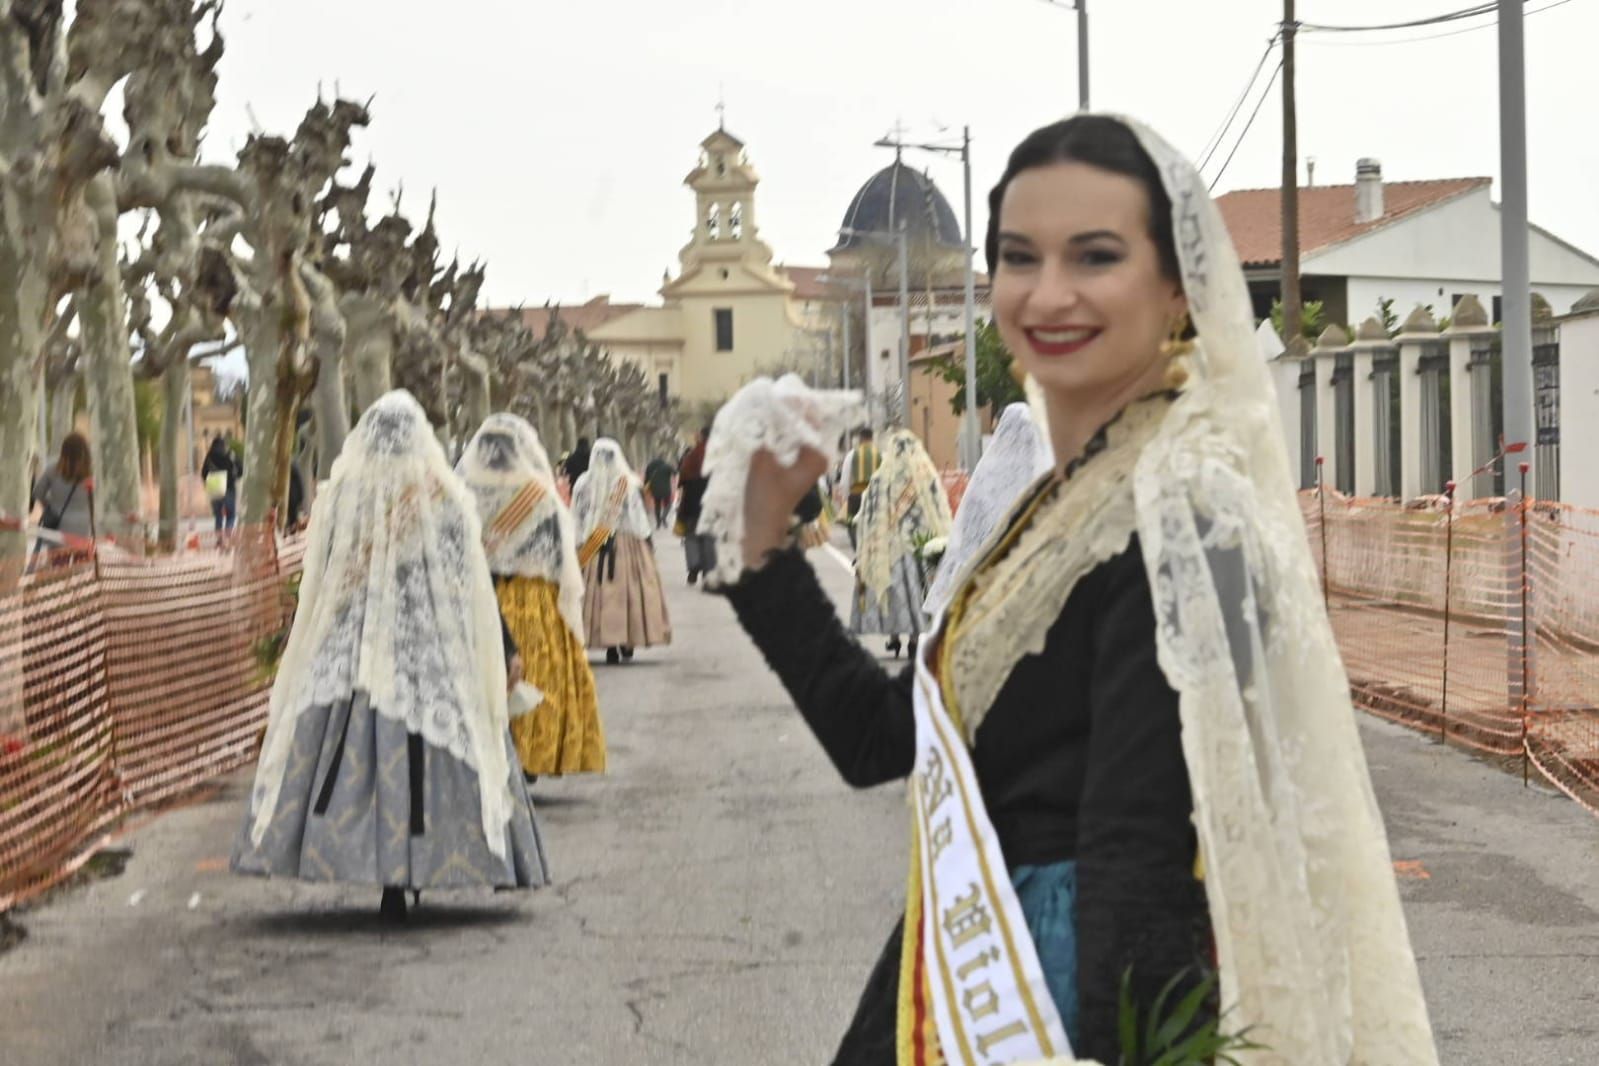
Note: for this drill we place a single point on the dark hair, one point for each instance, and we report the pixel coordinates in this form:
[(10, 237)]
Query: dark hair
[(864, 433), (1100, 142), (74, 462)]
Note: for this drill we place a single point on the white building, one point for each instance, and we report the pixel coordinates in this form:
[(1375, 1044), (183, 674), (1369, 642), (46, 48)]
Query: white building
[(1423, 243)]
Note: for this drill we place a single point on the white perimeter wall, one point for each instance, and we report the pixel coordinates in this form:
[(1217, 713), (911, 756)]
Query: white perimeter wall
[(1579, 411)]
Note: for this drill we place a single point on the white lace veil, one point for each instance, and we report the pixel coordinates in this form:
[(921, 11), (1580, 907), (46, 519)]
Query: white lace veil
[(502, 460), (1017, 456), (904, 500), (594, 495), (784, 417), (396, 601), (1312, 941)]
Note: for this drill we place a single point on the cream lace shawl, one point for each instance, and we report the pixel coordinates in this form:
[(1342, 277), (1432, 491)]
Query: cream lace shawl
[(396, 600), (503, 459)]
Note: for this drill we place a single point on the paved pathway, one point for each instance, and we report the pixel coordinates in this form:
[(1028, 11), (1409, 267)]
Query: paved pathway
[(720, 896)]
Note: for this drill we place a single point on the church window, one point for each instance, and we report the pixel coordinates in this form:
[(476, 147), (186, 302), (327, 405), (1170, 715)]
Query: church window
[(724, 328), (713, 222), (735, 221), (664, 382), (721, 166)]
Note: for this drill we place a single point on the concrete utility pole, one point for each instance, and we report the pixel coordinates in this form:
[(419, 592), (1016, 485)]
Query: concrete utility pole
[(1290, 193), (1517, 335), (904, 326), (1082, 55), (1081, 7), (971, 433)]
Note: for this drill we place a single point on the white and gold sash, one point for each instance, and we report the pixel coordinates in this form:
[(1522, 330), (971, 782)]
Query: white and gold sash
[(969, 963)]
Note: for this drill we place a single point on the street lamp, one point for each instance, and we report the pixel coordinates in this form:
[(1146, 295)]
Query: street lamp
[(1081, 7), (899, 237), (971, 443)]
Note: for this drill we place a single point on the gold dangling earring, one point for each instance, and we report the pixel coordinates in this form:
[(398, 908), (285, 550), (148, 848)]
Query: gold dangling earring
[(1176, 348)]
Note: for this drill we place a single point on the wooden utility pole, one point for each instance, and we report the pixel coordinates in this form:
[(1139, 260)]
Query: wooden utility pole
[(1290, 195)]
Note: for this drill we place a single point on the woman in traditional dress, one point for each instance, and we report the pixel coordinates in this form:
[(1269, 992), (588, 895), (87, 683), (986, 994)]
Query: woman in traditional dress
[(904, 507), (532, 550), (1131, 747), (388, 757), (623, 606)]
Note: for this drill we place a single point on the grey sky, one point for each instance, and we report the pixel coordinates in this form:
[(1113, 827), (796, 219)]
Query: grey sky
[(558, 133)]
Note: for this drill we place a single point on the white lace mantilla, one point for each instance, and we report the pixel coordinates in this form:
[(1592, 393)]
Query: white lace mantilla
[(609, 494), (396, 601), (527, 528), (1016, 457), (784, 417), (904, 503)]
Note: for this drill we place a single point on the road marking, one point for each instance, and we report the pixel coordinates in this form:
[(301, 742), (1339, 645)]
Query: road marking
[(1411, 870), (137, 898), (194, 901), (840, 558)]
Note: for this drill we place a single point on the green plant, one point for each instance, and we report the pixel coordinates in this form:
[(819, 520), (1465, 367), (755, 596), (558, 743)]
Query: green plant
[(1312, 318), (268, 650), (996, 388), (1172, 1037)]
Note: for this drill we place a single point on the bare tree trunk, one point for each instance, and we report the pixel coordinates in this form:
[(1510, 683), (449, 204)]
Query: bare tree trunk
[(174, 438), (474, 371), (63, 401), (108, 365), (23, 296), (330, 412), (262, 345)]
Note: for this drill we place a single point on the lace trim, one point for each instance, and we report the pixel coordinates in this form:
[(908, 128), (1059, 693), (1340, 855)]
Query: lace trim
[(1024, 577)]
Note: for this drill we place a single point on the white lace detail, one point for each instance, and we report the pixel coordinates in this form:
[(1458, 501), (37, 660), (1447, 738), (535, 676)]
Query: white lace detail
[(1016, 457), (502, 460), (396, 601), (1016, 599), (1310, 934), (783, 417), (903, 502), (595, 501)]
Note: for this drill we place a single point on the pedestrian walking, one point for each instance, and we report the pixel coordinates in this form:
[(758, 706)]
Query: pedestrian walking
[(623, 606), (699, 550), (220, 472), (532, 550), (658, 480), (388, 757), (64, 495)]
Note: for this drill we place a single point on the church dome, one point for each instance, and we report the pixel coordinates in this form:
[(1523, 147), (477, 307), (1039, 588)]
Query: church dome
[(897, 194)]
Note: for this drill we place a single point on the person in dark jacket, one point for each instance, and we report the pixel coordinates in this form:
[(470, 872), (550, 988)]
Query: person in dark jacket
[(223, 490), (698, 548), (658, 480), (577, 462)]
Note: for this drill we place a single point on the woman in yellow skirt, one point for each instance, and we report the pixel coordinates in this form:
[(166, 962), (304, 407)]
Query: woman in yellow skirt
[(528, 535), (623, 606)]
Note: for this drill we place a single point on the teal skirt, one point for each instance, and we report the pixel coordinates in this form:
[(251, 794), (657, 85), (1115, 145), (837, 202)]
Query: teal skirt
[(1048, 896)]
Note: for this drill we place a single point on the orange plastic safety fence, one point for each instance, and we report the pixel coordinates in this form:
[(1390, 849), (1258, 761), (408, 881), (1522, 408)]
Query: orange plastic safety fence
[(122, 682), (1430, 602)]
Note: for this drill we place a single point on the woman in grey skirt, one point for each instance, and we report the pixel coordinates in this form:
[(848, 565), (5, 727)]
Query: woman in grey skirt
[(388, 757)]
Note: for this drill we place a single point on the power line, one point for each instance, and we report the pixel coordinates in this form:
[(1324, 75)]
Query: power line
[(1252, 115), (1214, 142), (1434, 20), (1432, 36)]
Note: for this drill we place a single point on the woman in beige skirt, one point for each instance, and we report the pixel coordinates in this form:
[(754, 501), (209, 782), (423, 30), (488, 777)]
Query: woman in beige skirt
[(623, 607)]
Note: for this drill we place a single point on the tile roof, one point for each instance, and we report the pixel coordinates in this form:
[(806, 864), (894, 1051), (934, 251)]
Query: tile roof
[(585, 316), (1326, 214)]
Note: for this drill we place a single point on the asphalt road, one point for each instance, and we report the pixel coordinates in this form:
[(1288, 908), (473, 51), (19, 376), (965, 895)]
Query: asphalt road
[(719, 898)]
